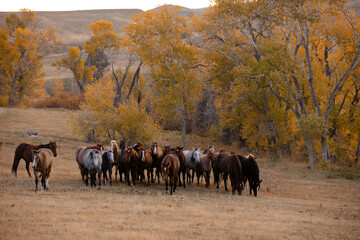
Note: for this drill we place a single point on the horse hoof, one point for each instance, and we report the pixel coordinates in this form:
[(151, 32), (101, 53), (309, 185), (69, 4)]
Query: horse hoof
[(99, 188)]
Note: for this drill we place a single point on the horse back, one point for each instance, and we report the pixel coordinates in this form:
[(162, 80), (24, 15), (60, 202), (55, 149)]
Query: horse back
[(24, 150), (80, 155), (46, 156), (205, 164)]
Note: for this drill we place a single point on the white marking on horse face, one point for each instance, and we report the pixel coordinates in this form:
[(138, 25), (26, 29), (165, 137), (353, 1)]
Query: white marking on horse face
[(257, 188), (33, 165), (164, 169), (143, 155), (197, 156), (155, 150), (112, 146), (111, 157)]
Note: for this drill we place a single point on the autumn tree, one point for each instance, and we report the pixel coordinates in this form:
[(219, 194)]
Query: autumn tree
[(82, 74), (21, 51), (161, 39)]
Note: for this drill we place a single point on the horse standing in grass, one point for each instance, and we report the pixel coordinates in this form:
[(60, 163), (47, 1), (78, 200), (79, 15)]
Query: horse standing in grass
[(42, 164), (24, 151), (183, 164), (106, 165), (220, 168), (157, 155), (131, 163), (234, 170), (193, 159), (121, 168), (250, 171), (145, 162), (117, 154), (79, 156), (92, 161), (205, 166), (170, 166)]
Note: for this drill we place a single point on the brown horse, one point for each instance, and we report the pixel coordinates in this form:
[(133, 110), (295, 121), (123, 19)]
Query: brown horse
[(220, 167), (117, 153), (170, 166), (234, 170), (145, 162), (183, 164), (157, 156), (131, 162), (79, 156), (205, 166), (42, 163), (24, 151)]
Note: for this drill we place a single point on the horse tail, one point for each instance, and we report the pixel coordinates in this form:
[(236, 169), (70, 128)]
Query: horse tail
[(18, 155)]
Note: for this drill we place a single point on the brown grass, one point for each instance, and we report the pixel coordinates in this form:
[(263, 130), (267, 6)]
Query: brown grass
[(293, 202)]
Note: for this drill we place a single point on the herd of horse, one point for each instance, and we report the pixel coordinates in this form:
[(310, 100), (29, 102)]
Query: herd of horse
[(175, 165)]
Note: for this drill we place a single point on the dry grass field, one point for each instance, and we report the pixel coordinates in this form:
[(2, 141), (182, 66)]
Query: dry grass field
[(293, 203)]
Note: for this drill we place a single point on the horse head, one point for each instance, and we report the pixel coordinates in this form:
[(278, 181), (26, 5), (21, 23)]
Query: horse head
[(154, 147), (110, 156), (196, 155), (142, 153), (52, 147), (165, 169), (36, 158)]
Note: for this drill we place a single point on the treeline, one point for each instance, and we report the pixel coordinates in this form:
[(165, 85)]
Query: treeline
[(279, 76)]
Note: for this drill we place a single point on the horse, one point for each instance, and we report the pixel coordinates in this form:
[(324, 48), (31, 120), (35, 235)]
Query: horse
[(106, 165), (206, 151), (157, 155), (170, 166), (131, 162), (145, 162), (234, 170), (183, 164), (205, 166), (193, 159), (24, 151), (92, 161), (250, 172), (79, 156), (121, 168), (42, 164), (220, 167), (117, 153)]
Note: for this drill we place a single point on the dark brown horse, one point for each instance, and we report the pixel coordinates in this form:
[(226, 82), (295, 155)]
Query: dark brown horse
[(145, 162), (234, 170), (157, 155), (24, 151), (205, 166), (170, 166), (220, 168), (131, 163), (79, 156), (42, 164), (183, 165)]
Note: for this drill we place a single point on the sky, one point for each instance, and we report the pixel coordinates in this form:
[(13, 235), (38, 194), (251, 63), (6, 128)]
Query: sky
[(68, 5)]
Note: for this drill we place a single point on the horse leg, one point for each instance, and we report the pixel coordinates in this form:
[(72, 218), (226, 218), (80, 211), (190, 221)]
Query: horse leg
[(148, 174), (27, 168), (36, 181), (166, 185), (158, 174), (225, 179), (171, 185), (184, 185), (133, 176), (110, 172), (188, 175), (175, 182), (192, 177), (99, 177)]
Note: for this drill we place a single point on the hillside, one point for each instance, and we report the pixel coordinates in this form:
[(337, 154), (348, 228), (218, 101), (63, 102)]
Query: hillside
[(72, 26)]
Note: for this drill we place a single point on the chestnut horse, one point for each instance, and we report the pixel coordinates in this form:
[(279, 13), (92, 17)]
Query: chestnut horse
[(220, 167), (145, 162), (234, 170), (24, 151), (157, 155), (42, 163), (79, 156), (170, 166), (183, 164), (205, 166), (131, 163)]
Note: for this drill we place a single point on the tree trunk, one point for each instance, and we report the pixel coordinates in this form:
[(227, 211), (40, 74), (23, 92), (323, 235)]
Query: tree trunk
[(183, 127), (358, 150), (136, 77), (310, 150)]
